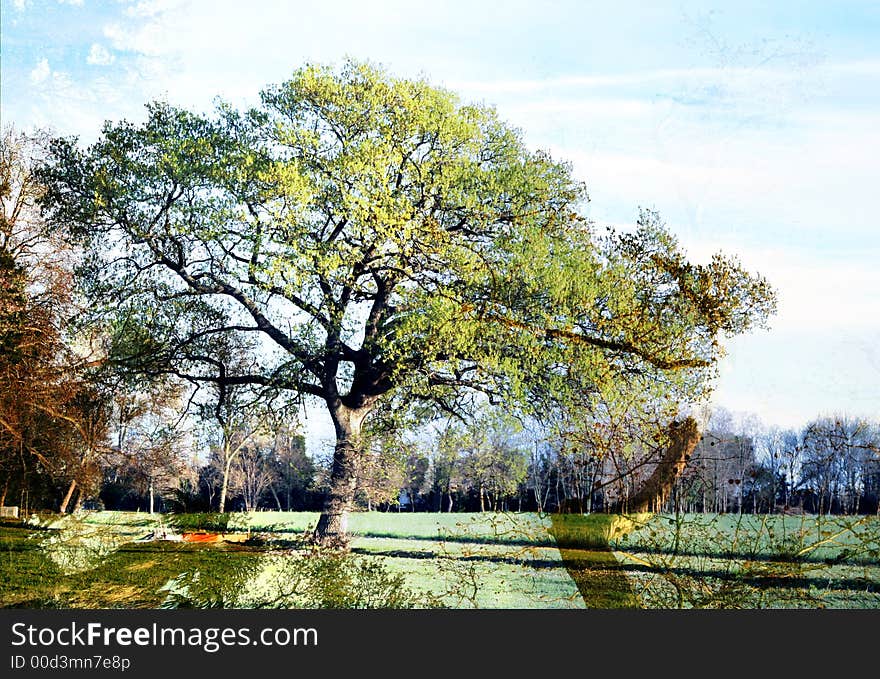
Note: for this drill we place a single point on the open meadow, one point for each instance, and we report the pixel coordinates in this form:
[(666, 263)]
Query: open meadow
[(112, 560)]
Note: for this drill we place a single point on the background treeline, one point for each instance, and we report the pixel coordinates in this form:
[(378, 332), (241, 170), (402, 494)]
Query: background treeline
[(828, 466), (76, 431), (141, 459)]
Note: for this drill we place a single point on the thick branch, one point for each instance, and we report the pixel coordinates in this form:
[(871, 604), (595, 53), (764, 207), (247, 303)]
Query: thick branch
[(611, 345)]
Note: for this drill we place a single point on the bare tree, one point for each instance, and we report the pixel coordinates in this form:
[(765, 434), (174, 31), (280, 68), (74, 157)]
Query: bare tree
[(238, 416), (253, 471), (837, 452), (150, 437)]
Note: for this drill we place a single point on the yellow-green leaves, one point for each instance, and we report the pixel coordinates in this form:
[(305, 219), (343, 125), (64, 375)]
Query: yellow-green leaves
[(378, 233)]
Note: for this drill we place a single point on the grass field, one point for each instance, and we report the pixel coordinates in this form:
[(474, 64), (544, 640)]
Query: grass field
[(451, 560)]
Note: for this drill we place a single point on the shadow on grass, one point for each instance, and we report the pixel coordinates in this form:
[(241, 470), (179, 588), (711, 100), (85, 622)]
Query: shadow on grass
[(451, 537), (526, 541), (789, 580), (487, 558), (843, 557), (602, 578)]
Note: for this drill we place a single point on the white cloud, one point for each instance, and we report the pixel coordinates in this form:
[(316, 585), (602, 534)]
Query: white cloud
[(74, 3), (19, 4), (608, 107), (99, 56), (737, 79), (59, 102), (147, 40), (587, 81), (151, 8), (41, 71), (863, 67)]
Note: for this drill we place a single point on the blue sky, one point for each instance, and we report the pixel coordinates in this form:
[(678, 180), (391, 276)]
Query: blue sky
[(753, 129)]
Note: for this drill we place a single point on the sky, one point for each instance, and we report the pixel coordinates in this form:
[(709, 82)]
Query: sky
[(752, 129)]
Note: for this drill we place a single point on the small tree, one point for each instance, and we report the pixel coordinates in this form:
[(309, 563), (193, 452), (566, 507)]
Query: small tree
[(383, 472), (238, 417), (448, 465), (493, 464), (417, 475), (148, 438), (294, 469), (253, 472)]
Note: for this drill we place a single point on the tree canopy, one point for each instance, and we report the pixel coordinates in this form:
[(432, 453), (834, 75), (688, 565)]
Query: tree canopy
[(372, 237)]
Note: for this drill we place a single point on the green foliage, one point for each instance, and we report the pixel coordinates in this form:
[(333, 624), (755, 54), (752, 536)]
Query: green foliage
[(486, 454), (381, 237)]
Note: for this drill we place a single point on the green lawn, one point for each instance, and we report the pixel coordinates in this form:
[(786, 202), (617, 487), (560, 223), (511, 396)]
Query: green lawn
[(459, 560), (748, 561)]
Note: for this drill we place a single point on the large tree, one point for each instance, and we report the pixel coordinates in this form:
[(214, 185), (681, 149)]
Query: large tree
[(383, 241)]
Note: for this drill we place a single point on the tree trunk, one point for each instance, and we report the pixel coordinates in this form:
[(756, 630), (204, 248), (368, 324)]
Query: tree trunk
[(151, 497), (225, 484), (275, 495), (66, 500), (332, 528), (656, 490)]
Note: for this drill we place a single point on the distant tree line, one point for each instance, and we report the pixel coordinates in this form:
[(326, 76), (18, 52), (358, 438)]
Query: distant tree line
[(831, 465), (493, 464)]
